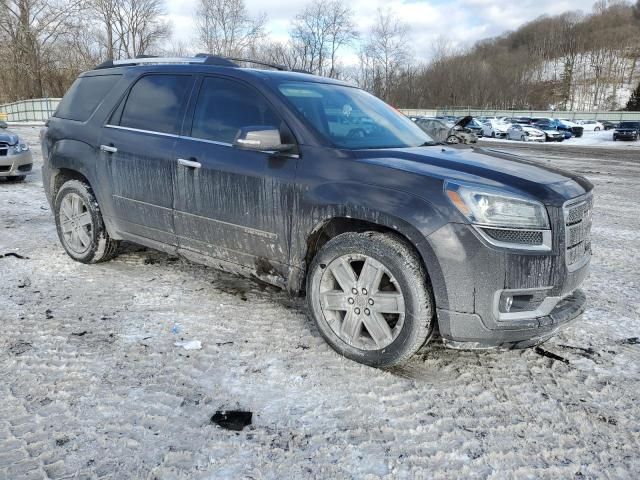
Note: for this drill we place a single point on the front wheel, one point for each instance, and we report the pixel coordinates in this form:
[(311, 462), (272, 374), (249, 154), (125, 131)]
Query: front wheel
[(597, 129), (80, 226), (369, 295), (453, 140)]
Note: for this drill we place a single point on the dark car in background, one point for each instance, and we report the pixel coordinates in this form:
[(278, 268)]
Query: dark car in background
[(609, 125), (551, 132), (320, 188), (627, 130)]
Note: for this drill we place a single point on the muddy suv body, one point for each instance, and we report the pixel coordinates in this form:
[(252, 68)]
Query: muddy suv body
[(319, 188)]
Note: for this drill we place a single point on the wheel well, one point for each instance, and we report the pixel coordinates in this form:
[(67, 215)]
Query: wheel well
[(64, 175), (336, 226)]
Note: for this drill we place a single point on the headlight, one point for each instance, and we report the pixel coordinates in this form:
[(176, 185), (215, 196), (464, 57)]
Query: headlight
[(20, 147), (491, 208)]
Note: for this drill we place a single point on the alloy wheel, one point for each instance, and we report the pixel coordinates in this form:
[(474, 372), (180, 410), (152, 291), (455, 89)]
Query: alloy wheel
[(76, 223), (362, 302)]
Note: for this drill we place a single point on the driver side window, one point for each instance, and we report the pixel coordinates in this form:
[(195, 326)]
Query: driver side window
[(224, 106)]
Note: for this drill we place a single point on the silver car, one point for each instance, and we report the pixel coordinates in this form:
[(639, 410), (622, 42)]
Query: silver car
[(15, 157)]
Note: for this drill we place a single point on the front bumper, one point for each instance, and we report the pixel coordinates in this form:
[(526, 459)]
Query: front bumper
[(475, 274), (16, 165), (467, 330), (626, 136)]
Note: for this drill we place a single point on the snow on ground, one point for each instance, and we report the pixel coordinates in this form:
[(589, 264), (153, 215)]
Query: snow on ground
[(589, 139), (92, 384)]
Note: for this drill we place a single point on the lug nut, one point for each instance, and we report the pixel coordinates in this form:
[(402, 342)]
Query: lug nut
[(371, 301), (350, 301), (357, 311), (364, 291), (354, 291), (366, 311)]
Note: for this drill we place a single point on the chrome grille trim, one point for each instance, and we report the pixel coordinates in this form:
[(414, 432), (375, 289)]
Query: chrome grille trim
[(577, 227)]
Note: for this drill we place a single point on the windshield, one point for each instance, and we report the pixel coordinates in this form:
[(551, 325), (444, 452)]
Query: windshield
[(629, 125), (351, 118)]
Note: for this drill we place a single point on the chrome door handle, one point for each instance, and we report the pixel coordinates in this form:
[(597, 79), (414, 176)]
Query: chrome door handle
[(189, 163), (108, 149)]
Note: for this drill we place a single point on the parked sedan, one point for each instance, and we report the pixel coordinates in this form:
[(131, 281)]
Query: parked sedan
[(495, 129), (525, 133), (552, 134), (591, 125), (15, 157), (627, 131)]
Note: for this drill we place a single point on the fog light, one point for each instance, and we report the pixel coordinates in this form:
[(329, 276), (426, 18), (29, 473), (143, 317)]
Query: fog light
[(506, 303)]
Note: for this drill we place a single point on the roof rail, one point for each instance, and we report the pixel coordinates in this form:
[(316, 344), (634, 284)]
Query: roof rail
[(201, 58)]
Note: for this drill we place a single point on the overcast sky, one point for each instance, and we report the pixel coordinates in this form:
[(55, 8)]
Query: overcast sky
[(460, 21)]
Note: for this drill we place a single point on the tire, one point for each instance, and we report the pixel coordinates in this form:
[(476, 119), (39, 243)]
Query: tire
[(597, 129), (523, 138), (17, 178), (402, 288), (76, 210), (453, 140), (493, 134)]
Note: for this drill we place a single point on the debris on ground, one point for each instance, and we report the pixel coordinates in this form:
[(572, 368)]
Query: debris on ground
[(189, 344), (232, 419)]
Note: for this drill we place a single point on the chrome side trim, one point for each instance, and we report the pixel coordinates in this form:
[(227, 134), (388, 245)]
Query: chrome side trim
[(139, 130)]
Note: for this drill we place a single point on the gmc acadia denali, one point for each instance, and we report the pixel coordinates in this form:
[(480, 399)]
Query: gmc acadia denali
[(320, 188)]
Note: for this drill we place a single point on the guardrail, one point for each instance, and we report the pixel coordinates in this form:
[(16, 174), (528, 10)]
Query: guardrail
[(40, 109), (614, 116), (35, 110)]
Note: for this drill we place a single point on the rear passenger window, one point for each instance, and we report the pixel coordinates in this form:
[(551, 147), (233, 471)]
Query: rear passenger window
[(155, 103), (225, 106), (84, 96)]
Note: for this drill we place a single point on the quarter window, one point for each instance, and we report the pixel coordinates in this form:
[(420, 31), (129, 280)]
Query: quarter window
[(155, 103), (225, 106)]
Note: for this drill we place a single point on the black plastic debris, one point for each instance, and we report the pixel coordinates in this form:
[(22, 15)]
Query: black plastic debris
[(553, 356), (232, 420), (630, 341), (13, 254)]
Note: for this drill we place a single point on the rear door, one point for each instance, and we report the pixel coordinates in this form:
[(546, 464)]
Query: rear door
[(138, 156), (234, 204)]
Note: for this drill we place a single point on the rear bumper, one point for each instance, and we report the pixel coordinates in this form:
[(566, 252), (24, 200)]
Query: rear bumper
[(16, 165), (467, 331)]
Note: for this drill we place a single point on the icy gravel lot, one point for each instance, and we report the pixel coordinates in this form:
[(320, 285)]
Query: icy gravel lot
[(92, 386)]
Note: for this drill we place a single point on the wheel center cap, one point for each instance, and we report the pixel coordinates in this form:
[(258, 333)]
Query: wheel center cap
[(361, 301)]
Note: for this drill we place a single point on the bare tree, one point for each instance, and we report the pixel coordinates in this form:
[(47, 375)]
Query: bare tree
[(225, 27), (384, 53), (138, 27), (319, 31), (31, 29)]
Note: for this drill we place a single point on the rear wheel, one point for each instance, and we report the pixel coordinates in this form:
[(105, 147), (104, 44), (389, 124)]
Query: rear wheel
[(369, 296), (80, 226)]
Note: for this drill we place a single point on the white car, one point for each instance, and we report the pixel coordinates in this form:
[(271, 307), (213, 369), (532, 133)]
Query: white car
[(591, 125), (525, 133), (495, 129)]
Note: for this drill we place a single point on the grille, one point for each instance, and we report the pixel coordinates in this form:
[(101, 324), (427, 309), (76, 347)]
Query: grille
[(4, 149), (520, 237), (578, 230)]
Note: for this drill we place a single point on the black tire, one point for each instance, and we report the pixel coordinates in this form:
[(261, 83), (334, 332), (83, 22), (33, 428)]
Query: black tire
[(597, 129), (453, 140), (403, 263), (101, 247), (17, 178)]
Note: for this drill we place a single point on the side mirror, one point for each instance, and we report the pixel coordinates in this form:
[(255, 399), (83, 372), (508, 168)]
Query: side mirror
[(260, 138), (3, 124)]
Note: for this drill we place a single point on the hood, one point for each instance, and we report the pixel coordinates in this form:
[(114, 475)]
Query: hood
[(488, 167), (8, 137), (464, 121)]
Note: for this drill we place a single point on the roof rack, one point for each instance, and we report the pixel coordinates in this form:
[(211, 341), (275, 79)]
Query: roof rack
[(201, 58)]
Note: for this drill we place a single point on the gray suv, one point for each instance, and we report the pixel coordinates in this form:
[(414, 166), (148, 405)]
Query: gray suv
[(322, 189)]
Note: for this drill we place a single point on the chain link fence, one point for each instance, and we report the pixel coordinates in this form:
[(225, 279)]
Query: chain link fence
[(36, 110)]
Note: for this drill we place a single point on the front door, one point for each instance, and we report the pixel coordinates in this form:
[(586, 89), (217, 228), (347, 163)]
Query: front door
[(233, 204), (137, 150)]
